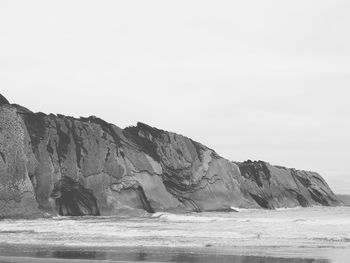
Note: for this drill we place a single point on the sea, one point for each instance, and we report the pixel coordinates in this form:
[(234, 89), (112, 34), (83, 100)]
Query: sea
[(296, 235)]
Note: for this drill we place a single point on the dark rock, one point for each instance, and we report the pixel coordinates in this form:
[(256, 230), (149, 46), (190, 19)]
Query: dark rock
[(276, 186), (261, 201), (255, 171), (3, 100), (73, 199)]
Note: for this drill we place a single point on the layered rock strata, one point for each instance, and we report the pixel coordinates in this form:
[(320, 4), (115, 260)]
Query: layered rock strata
[(138, 167)]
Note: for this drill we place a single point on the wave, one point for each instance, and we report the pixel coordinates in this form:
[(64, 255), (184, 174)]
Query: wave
[(312, 227), (289, 208), (188, 218), (238, 209)]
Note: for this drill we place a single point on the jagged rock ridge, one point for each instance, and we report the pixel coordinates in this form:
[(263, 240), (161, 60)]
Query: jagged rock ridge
[(138, 167), (3, 100)]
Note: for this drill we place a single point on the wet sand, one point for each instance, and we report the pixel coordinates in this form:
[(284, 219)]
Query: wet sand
[(15, 253), (235, 259)]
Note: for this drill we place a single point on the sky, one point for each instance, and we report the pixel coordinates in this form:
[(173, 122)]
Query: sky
[(260, 80)]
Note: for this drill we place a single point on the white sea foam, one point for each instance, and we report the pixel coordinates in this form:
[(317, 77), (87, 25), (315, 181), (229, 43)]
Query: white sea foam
[(238, 209), (288, 208), (311, 227), (189, 218)]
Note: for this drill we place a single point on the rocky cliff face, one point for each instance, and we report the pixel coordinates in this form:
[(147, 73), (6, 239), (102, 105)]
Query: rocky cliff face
[(93, 167), (17, 195)]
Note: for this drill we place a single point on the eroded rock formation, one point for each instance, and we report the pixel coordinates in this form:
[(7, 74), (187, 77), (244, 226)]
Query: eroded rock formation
[(73, 199), (137, 167)]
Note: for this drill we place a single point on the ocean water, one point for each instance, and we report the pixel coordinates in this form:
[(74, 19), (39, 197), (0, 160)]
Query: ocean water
[(319, 234)]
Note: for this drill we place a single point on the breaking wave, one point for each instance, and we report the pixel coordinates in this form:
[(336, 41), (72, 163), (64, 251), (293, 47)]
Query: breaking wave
[(311, 227), (188, 218)]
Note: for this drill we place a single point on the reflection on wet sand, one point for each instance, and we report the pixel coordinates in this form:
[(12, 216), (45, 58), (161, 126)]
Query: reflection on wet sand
[(144, 256)]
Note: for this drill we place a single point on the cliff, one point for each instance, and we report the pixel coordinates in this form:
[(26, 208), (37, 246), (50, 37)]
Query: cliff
[(91, 167)]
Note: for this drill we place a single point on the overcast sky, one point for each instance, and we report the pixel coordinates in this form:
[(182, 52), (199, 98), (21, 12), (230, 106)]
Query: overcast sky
[(265, 80)]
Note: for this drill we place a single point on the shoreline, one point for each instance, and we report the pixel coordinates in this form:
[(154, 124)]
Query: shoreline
[(288, 236), (49, 253)]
